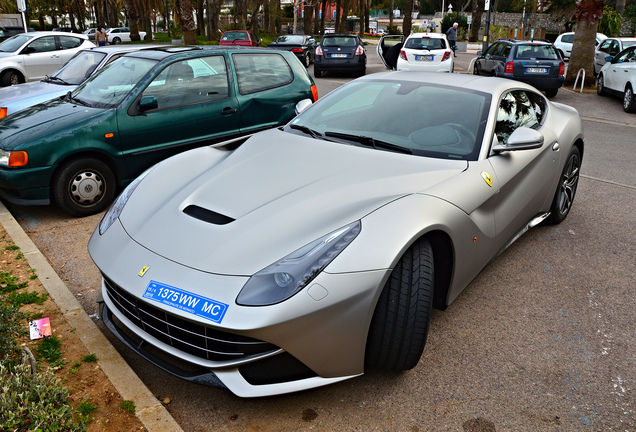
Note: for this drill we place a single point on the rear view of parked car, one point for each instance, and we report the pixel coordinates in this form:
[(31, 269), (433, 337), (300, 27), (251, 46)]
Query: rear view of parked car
[(342, 53), (304, 46), (239, 37), (618, 77), (31, 56), (535, 63), (78, 150), (424, 52)]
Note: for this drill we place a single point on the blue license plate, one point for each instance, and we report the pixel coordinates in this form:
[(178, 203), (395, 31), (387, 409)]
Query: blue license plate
[(186, 301), (424, 57), (537, 70), (338, 55)]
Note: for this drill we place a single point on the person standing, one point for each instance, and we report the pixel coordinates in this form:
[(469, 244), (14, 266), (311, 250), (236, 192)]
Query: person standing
[(452, 37), (101, 37)]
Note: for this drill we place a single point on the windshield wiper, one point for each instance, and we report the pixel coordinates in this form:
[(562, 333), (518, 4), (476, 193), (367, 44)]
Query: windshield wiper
[(54, 78), (308, 131), (369, 141), (70, 98)]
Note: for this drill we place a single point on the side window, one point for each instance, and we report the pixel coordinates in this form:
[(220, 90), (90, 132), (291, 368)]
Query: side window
[(190, 82), (257, 72), (43, 44), (568, 39), (614, 48), (505, 52), (605, 46), (68, 42), (515, 110), (491, 49), (538, 105)]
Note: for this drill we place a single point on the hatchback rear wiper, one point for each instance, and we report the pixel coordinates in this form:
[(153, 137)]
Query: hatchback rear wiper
[(369, 141), (54, 78), (308, 131)]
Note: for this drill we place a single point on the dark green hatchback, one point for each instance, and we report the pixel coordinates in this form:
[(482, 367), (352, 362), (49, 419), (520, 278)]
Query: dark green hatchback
[(78, 150)]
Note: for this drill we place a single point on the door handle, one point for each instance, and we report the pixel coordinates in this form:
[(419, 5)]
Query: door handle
[(228, 111)]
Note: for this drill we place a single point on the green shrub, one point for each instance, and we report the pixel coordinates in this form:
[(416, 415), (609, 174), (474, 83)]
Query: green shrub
[(12, 327), (128, 405), (49, 348), (9, 283), (34, 402)]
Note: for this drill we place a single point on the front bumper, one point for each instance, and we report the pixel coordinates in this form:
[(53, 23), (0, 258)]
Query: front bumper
[(26, 186), (315, 338)]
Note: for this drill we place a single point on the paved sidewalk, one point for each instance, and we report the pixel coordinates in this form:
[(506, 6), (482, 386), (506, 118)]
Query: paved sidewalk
[(149, 410)]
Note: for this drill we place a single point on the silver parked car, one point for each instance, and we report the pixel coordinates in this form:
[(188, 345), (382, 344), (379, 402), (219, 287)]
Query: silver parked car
[(84, 64), (302, 256), (31, 56)]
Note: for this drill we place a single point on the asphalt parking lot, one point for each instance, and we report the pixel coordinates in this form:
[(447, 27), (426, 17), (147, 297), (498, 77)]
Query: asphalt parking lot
[(542, 340)]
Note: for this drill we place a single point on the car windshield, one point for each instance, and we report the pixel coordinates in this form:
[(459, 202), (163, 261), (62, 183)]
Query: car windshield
[(419, 118), (108, 87), (289, 39), (339, 41), (77, 69), (425, 43), (14, 43), (537, 52)]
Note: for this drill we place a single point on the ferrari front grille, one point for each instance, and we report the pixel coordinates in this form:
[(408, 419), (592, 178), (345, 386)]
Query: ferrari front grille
[(188, 336)]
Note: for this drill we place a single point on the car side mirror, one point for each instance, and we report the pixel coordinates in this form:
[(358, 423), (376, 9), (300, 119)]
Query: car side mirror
[(303, 105), (480, 53), (609, 58), (522, 138), (148, 103), (365, 43)]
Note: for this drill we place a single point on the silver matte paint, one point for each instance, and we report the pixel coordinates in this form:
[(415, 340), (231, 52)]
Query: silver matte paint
[(286, 190)]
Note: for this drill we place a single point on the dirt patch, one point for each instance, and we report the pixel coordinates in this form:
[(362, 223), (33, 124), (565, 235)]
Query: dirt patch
[(85, 380)]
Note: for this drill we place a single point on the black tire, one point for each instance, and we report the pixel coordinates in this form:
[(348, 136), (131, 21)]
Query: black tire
[(10, 78), (476, 70), (600, 85), (305, 60), (629, 100), (83, 187), (362, 71), (317, 72), (400, 323), (116, 41), (566, 189), (551, 92)]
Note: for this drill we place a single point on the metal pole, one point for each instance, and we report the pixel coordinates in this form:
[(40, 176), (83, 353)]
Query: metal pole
[(487, 27)]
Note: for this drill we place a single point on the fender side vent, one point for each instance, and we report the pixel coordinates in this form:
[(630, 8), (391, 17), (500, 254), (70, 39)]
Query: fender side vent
[(207, 215)]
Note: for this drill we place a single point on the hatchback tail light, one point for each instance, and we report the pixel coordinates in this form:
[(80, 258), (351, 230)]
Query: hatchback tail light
[(509, 67), (360, 50), (319, 50), (562, 69), (446, 56), (297, 50), (403, 55)]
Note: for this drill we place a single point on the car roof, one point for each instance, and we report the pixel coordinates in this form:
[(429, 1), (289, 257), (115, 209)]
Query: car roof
[(55, 33), (524, 42), (194, 51), (429, 35), (107, 49)]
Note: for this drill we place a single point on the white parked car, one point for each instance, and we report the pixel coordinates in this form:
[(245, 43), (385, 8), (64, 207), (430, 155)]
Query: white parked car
[(118, 35), (34, 55), (618, 77), (425, 52), (564, 41), (610, 47)]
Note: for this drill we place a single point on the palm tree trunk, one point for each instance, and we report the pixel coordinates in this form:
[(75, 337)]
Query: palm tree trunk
[(588, 14), (187, 22), (133, 20), (408, 17)]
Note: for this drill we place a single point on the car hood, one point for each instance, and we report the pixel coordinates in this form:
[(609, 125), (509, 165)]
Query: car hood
[(278, 191), (43, 120), (6, 54), (33, 91)]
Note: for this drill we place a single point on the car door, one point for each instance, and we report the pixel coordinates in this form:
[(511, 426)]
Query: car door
[(600, 54), (387, 42), (195, 106), (617, 73), (486, 63), (68, 46), (263, 104), (41, 57), (526, 178)]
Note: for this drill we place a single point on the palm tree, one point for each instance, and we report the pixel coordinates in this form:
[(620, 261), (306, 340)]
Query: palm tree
[(187, 22), (408, 17), (587, 15)]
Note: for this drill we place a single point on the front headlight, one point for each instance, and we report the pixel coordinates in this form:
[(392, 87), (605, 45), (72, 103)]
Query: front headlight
[(286, 277), (116, 208)]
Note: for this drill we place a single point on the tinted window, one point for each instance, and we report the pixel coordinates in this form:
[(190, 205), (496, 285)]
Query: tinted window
[(190, 82), (568, 38), (257, 72), (544, 52), (341, 41), (425, 43), (515, 110), (605, 46), (492, 48), (69, 42), (232, 36), (43, 44)]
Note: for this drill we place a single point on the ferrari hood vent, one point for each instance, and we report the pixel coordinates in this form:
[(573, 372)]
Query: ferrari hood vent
[(207, 215)]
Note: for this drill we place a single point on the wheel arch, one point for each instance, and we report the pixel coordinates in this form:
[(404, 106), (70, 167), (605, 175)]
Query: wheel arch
[(444, 263), (91, 155), (13, 69)]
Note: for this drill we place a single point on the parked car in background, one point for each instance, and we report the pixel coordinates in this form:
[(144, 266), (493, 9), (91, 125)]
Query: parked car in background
[(535, 63), (610, 47), (31, 56), (424, 52), (304, 46), (564, 41), (618, 77), (76, 151), (239, 37), (342, 53), (313, 253), (118, 35), (90, 32), (74, 72), (66, 30), (7, 31), (389, 48)]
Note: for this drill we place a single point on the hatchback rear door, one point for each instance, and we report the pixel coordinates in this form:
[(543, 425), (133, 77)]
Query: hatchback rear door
[(386, 42)]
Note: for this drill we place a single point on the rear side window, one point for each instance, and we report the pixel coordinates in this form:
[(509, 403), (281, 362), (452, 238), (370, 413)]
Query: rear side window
[(425, 43), (543, 52), (258, 72), (568, 38), (69, 42)]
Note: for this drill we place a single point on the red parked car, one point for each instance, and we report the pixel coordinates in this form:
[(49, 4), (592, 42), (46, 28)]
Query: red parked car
[(239, 37)]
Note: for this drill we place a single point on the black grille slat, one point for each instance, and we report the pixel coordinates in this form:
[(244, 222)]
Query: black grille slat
[(194, 338)]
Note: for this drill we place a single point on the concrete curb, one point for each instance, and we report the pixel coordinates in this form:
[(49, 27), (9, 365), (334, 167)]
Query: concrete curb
[(152, 414)]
